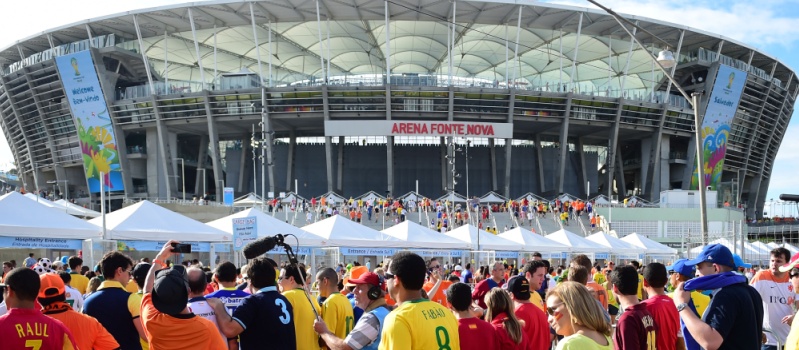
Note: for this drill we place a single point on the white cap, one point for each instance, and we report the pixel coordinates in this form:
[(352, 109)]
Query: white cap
[(458, 268)]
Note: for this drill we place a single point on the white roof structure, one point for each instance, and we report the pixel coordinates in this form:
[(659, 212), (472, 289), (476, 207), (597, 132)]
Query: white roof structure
[(651, 247), (370, 196), (452, 197), (77, 210), (773, 245), (418, 236), (750, 252), (531, 197), (492, 197), (266, 225), (578, 244), (567, 197), (532, 241), (342, 232), (290, 196), (791, 248), (412, 195), (601, 199), (146, 221), (469, 234), (22, 217), (615, 245), (762, 247), (248, 200)]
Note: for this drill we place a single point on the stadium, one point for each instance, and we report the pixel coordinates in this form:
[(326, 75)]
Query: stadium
[(395, 96)]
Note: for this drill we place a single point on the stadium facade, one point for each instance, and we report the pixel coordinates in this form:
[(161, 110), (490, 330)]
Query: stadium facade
[(372, 95)]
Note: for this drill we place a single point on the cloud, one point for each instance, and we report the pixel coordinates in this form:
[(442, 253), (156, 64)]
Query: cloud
[(750, 22)]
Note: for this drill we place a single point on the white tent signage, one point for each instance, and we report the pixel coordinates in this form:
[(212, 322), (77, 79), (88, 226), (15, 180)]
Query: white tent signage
[(40, 243), (368, 251), (434, 253), (154, 246), (244, 231)]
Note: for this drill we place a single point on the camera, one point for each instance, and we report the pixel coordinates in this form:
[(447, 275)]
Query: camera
[(181, 248)]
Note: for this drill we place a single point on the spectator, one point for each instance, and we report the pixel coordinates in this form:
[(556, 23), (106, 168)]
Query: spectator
[(503, 319), (534, 272), (534, 319), (87, 331), (198, 305), (682, 273), (598, 291), (734, 320), (474, 333), (7, 267), (73, 297), (482, 287), (29, 261), (575, 314), (94, 283), (79, 282), (467, 274), (21, 287), (165, 315), (225, 277), (635, 328), (661, 306), (139, 276), (336, 310), (640, 294), (292, 281), (113, 306), (774, 287), (792, 342), (265, 315)]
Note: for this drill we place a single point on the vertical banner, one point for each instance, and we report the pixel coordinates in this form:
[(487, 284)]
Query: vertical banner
[(228, 196), (244, 231), (92, 121), (716, 125)]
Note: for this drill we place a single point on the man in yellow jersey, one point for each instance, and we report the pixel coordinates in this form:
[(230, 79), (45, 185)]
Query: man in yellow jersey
[(292, 280), (79, 281), (416, 323), (641, 292), (336, 309), (681, 273)]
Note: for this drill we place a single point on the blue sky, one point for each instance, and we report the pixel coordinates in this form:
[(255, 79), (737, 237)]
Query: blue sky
[(771, 26)]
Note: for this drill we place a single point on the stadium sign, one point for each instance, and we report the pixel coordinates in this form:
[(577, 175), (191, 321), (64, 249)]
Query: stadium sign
[(418, 128)]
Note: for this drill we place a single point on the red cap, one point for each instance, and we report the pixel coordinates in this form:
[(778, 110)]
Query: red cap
[(366, 278), (52, 285)]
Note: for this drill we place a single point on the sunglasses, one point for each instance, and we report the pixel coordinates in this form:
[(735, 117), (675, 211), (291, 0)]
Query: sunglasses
[(794, 275), (388, 276), (553, 310)]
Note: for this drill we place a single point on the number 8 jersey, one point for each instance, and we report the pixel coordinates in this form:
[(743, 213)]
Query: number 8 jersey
[(420, 324)]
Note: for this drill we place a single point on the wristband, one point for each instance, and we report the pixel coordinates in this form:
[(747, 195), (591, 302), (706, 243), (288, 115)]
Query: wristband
[(159, 262)]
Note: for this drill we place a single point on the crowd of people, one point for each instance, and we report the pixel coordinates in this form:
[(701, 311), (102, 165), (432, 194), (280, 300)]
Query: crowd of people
[(406, 302)]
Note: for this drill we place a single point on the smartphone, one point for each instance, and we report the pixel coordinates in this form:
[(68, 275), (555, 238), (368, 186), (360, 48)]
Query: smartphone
[(181, 248)]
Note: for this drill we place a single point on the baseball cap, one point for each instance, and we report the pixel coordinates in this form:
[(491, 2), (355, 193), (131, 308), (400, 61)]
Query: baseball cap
[(52, 285), (739, 262), (519, 287), (715, 253), (366, 278), (355, 274), (171, 290), (458, 268), (791, 264), (680, 267)]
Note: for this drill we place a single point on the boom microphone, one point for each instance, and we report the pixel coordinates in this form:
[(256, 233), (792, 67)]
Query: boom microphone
[(262, 245), (789, 197)]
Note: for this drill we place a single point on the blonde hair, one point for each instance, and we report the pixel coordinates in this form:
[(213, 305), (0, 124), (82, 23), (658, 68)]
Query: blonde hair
[(94, 283), (498, 301), (582, 306)]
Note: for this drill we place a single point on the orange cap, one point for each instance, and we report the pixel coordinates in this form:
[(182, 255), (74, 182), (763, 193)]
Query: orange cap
[(355, 273), (52, 285)]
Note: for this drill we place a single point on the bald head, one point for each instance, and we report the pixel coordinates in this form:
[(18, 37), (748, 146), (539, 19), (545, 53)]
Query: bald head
[(197, 281)]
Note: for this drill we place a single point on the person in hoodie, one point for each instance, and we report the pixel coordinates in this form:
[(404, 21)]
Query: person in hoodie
[(734, 318)]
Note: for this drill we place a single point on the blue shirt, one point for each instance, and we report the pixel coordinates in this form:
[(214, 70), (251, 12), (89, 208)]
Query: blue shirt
[(268, 321), (109, 305), (467, 277), (232, 298)]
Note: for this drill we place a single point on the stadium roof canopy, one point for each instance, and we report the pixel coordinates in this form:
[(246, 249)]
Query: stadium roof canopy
[(352, 34)]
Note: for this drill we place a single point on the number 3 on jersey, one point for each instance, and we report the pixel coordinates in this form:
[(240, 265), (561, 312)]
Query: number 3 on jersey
[(442, 338), (286, 317)]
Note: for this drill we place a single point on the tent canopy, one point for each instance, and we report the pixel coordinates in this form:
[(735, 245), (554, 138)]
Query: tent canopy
[(370, 196), (23, 217), (341, 232), (567, 197), (532, 197), (452, 197), (412, 195), (492, 197), (248, 200), (469, 234), (266, 225), (651, 247), (290, 196), (418, 236), (77, 210), (532, 241), (578, 244), (146, 221), (333, 198), (601, 199), (750, 252), (614, 244)]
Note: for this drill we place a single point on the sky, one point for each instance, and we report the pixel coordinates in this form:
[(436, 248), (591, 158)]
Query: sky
[(768, 25)]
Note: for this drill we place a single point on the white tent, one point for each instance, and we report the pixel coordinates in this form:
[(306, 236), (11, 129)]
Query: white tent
[(615, 245), (601, 200), (452, 197), (651, 247), (370, 196), (532, 241), (578, 244), (567, 197), (762, 247), (333, 198), (773, 245), (342, 232), (750, 253), (266, 225), (146, 221), (791, 248), (292, 196), (492, 197), (412, 195), (418, 236), (77, 210), (532, 197), (469, 234), (22, 217), (248, 200)]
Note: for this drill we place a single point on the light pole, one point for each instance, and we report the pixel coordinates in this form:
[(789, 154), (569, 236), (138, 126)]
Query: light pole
[(183, 175), (665, 60), (204, 190)]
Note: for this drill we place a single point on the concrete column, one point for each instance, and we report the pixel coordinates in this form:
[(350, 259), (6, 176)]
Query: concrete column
[(202, 154), (329, 162), (651, 184), (244, 160), (154, 178), (583, 173), (613, 145), (451, 108), (564, 143), (648, 145), (492, 158), (164, 158), (31, 160), (290, 167), (508, 144), (444, 165), (340, 178), (622, 184), (390, 163), (688, 173), (663, 180), (539, 158), (213, 141)]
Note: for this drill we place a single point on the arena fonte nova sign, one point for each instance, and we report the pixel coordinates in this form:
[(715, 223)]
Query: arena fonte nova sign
[(417, 128)]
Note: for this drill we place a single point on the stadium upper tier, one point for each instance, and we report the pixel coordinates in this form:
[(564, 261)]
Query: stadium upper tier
[(189, 77)]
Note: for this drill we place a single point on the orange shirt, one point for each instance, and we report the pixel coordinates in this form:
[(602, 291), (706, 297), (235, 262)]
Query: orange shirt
[(87, 331), (440, 296), (166, 332)]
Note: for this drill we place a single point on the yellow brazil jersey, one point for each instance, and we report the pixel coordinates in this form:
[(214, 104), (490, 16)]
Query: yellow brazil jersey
[(700, 300), (337, 313), (134, 303), (599, 277), (303, 318), (535, 298), (421, 325), (132, 287), (640, 287), (79, 282)]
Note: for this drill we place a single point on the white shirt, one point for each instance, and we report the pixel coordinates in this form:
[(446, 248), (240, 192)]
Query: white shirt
[(74, 298), (200, 307)]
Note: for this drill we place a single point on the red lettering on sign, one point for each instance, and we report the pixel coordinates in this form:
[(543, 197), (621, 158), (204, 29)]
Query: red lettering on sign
[(394, 129)]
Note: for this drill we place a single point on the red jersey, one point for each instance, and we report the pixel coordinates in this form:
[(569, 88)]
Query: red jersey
[(30, 329), (667, 318), (505, 341), (635, 330), (535, 326), (476, 334)]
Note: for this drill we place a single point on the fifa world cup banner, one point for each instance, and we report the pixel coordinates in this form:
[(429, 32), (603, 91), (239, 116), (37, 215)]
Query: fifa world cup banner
[(92, 121), (716, 126)]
